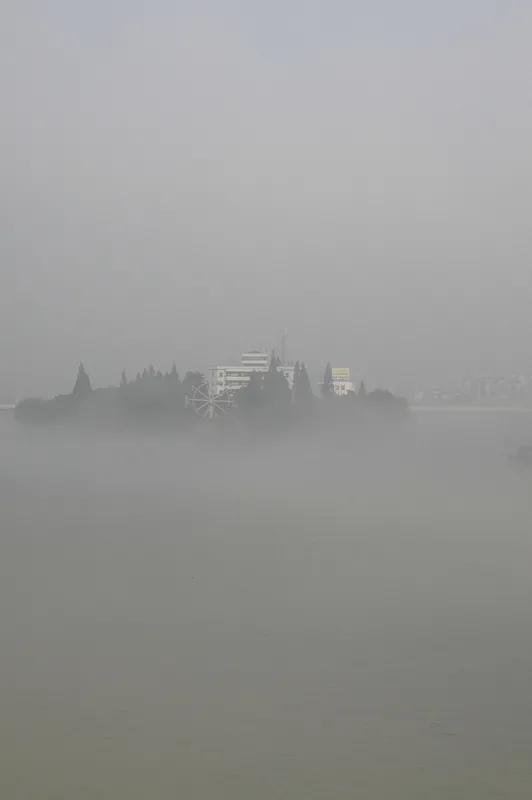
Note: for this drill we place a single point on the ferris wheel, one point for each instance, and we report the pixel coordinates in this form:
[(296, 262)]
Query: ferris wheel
[(208, 404)]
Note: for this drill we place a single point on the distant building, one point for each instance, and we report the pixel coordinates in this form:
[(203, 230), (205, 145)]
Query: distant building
[(259, 362), (233, 378), (341, 381)]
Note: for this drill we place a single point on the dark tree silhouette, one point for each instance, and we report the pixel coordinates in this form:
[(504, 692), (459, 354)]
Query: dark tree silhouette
[(327, 387), (386, 404), (250, 397), (303, 397), (173, 374), (191, 381), (277, 395), (157, 401), (82, 387), (275, 361)]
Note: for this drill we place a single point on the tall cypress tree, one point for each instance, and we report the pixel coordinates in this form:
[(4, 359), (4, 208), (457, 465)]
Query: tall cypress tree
[(303, 397), (275, 361), (327, 387), (276, 392), (82, 387), (250, 397)]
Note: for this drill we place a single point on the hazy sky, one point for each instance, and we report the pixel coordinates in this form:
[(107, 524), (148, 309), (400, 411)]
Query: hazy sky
[(181, 180)]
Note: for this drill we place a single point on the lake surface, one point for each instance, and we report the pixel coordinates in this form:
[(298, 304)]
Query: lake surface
[(335, 618)]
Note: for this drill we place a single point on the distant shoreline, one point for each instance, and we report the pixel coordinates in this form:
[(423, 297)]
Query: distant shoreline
[(473, 409)]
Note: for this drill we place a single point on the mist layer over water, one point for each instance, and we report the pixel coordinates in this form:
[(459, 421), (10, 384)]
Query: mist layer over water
[(314, 618)]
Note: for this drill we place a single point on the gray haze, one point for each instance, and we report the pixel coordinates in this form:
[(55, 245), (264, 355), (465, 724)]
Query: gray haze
[(182, 180), (311, 598), (311, 619)]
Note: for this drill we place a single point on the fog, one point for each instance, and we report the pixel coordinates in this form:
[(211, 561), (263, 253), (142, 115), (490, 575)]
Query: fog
[(311, 617), (306, 596), (183, 182)]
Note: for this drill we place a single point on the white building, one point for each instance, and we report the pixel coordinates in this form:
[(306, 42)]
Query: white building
[(341, 381), (259, 362), (233, 378)]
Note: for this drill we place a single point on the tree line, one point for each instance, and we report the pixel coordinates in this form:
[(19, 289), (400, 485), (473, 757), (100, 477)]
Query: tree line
[(162, 399)]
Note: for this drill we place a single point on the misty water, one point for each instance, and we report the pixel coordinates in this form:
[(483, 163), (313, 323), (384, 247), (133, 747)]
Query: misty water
[(320, 618)]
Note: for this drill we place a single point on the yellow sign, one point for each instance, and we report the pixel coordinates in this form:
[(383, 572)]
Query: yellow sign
[(341, 373)]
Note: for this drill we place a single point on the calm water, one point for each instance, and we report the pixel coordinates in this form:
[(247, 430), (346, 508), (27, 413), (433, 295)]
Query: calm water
[(347, 620)]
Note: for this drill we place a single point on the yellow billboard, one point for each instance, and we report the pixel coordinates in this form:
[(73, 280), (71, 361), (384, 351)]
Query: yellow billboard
[(341, 373)]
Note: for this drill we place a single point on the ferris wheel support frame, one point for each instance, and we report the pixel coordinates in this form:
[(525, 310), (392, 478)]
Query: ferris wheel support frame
[(207, 403)]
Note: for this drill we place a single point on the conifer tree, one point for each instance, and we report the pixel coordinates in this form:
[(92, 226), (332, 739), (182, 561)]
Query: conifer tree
[(250, 397), (274, 361), (82, 387), (174, 374), (276, 392), (327, 388), (303, 397)]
